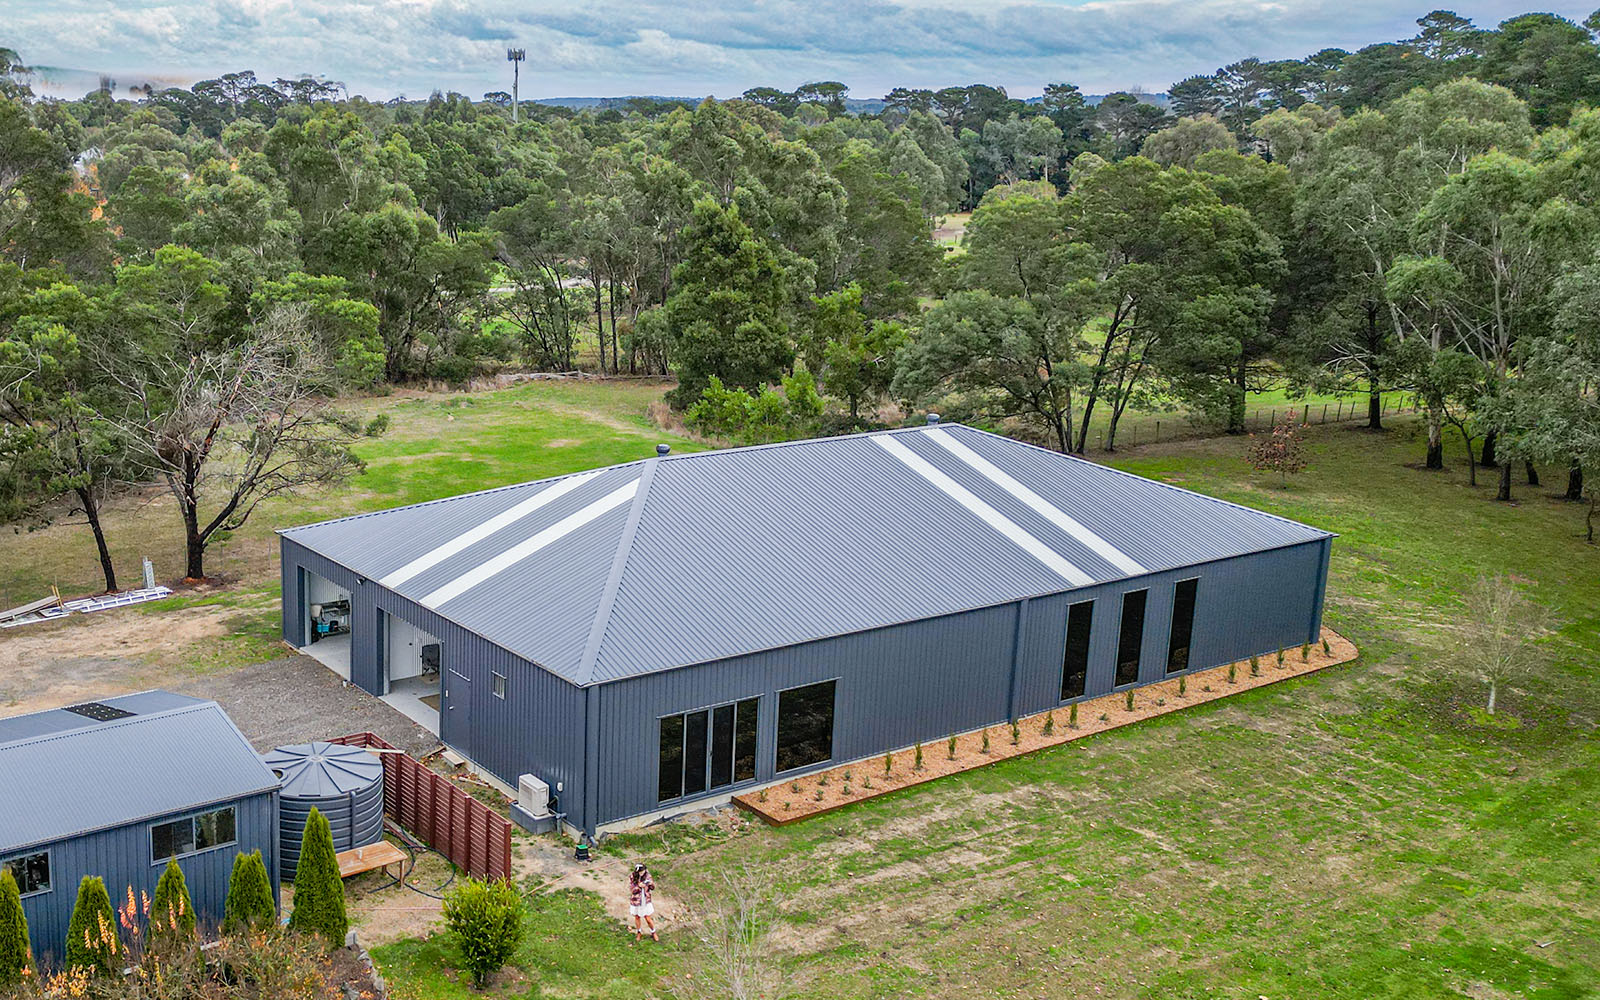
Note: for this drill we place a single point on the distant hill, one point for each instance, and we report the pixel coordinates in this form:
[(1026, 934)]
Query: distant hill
[(855, 105)]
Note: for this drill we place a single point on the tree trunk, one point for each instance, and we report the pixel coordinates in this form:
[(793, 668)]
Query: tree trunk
[(1435, 458), (1533, 474), (1492, 692), (1588, 519), (1486, 457), (1574, 482), (1504, 492), (1374, 407), (599, 322), (91, 510), (194, 547), (1236, 405), (1374, 379)]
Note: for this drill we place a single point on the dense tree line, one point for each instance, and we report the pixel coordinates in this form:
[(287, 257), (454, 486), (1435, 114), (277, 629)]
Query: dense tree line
[(190, 279)]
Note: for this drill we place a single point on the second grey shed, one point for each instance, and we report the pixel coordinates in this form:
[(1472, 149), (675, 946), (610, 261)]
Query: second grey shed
[(343, 783), (651, 637)]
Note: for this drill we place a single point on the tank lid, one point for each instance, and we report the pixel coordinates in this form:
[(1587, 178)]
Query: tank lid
[(317, 770)]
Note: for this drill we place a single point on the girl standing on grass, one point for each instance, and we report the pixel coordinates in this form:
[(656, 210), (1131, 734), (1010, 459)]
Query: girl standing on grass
[(641, 887)]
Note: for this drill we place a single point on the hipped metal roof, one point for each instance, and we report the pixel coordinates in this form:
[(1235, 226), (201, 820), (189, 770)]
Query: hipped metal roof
[(685, 559), (62, 774)]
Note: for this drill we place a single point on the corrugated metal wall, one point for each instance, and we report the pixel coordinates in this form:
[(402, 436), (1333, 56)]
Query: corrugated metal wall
[(121, 856), (536, 729), (927, 679)]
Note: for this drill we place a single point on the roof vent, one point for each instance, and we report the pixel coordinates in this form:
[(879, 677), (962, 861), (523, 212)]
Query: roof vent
[(933, 418), (662, 449), (99, 711)]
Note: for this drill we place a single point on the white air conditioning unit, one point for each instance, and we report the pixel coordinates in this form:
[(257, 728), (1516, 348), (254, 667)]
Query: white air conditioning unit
[(533, 795)]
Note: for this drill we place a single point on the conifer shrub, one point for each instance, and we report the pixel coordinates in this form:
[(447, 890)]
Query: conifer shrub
[(888, 764), (950, 746), (172, 911), (1072, 716), (916, 759), (1327, 650), (249, 903), (1049, 727), (14, 958), (92, 942), (1130, 699), (1233, 672), (486, 920), (1305, 652), (1183, 687), (1280, 656), (1016, 733), (985, 739), (318, 893)]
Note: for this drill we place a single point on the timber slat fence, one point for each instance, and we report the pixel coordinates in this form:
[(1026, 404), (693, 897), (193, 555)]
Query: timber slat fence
[(474, 837)]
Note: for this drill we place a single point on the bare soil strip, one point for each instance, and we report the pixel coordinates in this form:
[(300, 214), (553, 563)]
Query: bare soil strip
[(797, 798)]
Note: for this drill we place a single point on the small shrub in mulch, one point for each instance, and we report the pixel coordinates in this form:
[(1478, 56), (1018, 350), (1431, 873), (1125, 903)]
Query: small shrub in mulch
[(888, 764), (1183, 686), (1016, 733), (1233, 672), (1280, 656), (1130, 699), (916, 760), (950, 746), (823, 780), (1305, 652), (986, 741), (1049, 727), (1327, 650), (1072, 717)]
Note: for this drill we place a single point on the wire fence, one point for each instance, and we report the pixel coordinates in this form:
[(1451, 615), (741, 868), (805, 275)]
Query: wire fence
[(1146, 428)]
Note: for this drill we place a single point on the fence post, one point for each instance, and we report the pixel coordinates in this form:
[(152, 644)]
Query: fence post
[(1158, 430), (1274, 417)]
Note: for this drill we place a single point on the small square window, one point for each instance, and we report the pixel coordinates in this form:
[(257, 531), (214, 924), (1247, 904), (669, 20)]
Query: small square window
[(497, 684), (213, 829), (32, 872)]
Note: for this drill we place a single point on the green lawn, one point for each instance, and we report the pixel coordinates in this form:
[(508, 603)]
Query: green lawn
[(437, 445), (1353, 834)]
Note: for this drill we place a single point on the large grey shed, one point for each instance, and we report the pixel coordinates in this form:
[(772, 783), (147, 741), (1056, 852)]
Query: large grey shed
[(116, 787), (654, 636)]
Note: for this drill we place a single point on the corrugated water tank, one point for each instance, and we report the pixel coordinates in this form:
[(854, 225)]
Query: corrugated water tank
[(344, 783)]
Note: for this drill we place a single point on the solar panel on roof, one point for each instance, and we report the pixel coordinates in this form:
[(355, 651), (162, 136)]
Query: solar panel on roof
[(99, 711)]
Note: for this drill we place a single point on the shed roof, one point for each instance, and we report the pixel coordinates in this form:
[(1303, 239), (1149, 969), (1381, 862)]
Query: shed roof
[(63, 774), (686, 559)]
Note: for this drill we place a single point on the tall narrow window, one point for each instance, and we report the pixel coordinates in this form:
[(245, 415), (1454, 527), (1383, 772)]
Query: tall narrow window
[(1182, 626), (744, 744), (670, 782), (1132, 637), (722, 746), (805, 726), (694, 753), (1075, 667)]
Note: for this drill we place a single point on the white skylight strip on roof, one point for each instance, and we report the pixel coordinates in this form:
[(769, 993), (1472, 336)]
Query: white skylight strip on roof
[(993, 518), (1044, 508), (475, 535), (509, 558)]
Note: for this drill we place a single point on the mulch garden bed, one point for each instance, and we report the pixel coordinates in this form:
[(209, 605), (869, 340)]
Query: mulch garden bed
[(792, 799)]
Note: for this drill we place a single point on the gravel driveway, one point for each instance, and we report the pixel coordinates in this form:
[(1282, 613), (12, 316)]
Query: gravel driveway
[(295, 699)]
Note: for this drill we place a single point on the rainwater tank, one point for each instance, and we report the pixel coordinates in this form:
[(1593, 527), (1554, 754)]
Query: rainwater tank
[(343, 783)]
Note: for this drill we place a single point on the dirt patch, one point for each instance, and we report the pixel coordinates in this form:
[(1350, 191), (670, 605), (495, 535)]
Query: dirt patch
[(790, 800), (106, 653), (549, 864)]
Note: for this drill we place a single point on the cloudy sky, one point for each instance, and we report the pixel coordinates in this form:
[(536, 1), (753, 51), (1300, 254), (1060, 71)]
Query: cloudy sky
[(617, 47)]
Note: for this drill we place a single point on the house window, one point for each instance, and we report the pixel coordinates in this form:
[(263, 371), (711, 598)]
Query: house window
[(32, 872), (497, 684), (1075, 666), (805, 726), (192, 834), (707, 749), (1182, 625), (1132, 636)]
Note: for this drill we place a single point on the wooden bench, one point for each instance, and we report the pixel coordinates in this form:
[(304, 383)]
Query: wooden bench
[(372, 857)]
